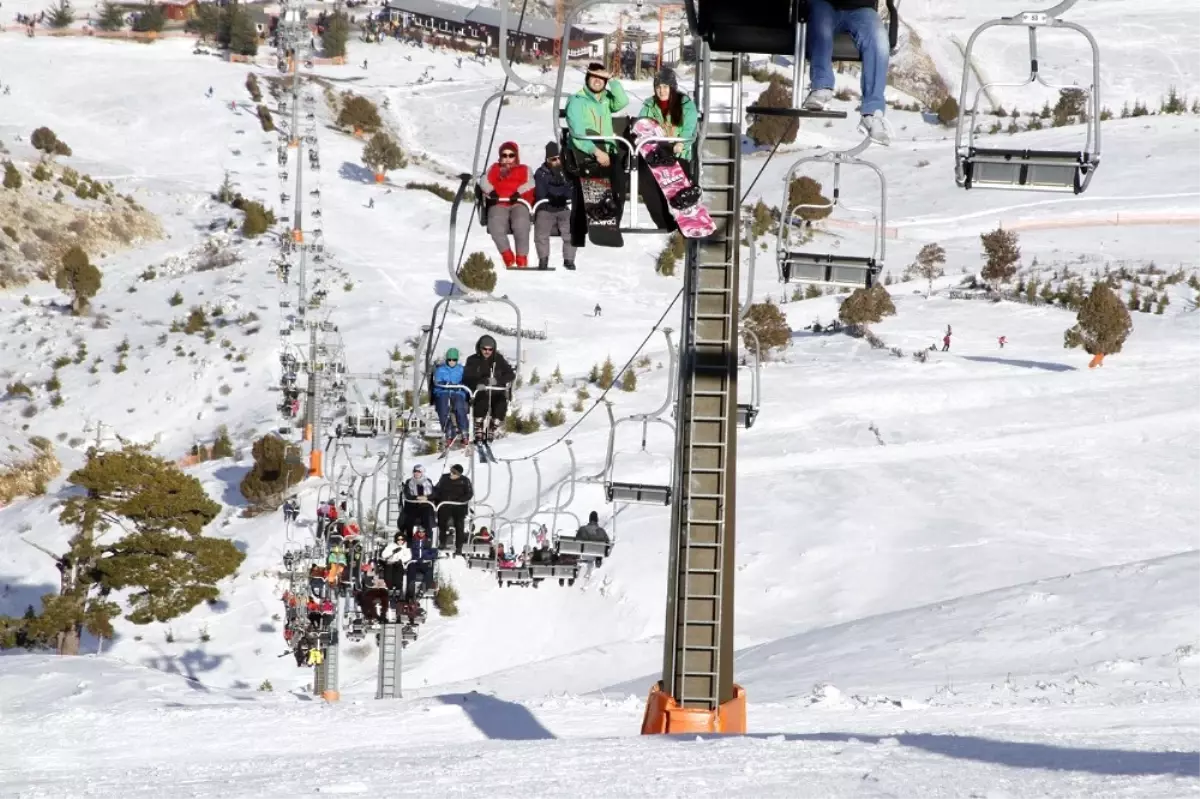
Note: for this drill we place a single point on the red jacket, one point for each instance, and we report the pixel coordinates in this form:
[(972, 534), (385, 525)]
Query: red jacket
[(517, 178)]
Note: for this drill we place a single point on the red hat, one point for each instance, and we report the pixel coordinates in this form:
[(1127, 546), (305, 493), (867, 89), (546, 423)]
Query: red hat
[(511, 145)]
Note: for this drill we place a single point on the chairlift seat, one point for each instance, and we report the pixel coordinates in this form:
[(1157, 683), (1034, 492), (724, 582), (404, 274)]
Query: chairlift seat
[(746, 414), (583, 548), (483, 564), (514, 574), (1047, 170), (638, 493), (543, 571), (477, 549), (829, 269)]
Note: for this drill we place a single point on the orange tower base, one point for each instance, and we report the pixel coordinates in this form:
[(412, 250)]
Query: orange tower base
[(331, 696), (298, 236), (314, 466), (308, 432), (665, 717), (1097, 360)]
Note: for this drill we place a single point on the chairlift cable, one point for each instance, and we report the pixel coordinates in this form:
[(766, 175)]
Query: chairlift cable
[(603, 394), (760, 171)]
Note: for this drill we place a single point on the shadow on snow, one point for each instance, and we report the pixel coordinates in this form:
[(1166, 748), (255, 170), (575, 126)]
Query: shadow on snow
[(497, 719), (1046, 365)]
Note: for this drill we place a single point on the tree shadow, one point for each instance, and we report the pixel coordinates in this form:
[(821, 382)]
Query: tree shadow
[(356, 173), (1046, 365), (1020, 754), (16, 597), (190, 665), (231, 478), (497, 719), (445, 288)]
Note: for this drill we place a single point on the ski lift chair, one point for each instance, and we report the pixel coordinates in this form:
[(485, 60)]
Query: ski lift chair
[(1032, 170), (802, 265), (747, 412), (636, 493), (565, 573), (781, 28)]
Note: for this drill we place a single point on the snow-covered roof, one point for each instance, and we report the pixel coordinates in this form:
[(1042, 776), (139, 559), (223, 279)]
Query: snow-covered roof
[(433, 8)]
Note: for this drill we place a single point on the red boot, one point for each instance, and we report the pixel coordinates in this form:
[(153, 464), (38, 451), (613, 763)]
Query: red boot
[(508, 257), (522, 261)]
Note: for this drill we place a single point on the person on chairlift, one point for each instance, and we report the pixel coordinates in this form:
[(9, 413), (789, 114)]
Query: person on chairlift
[(451, 403), (551, 184), (592, 531), (677, 115), (860, 19), (590, 113), (488, 369), (420, 568), (454, 486), (507, 183), (395, 557), (418, 505)]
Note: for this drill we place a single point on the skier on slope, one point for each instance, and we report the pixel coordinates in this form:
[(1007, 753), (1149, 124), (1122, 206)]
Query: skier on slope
[(488, 375), (451, 403), (677, 115)]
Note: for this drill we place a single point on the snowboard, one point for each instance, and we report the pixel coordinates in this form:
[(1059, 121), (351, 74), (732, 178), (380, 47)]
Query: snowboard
[(603, 212), (683, 198)]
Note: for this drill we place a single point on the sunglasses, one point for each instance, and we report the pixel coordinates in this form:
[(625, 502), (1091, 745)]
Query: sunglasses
[(452, 360), (507, 156), (486, 349)]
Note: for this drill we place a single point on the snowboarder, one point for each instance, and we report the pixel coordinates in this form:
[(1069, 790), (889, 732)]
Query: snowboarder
[(946, 343), (506, 184), (395, 557), (677, 115), (551, 185), (592, 531), (454, 487), (589, 113), (418, 509), (451, 400), (1003, 340), (860, 19), (488, 375), (596, 310)]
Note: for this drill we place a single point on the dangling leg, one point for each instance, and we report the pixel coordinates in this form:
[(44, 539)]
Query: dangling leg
[(521, 223), (498, 229)]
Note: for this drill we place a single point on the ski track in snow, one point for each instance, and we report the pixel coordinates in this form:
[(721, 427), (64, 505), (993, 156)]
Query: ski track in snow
[(939, 615)]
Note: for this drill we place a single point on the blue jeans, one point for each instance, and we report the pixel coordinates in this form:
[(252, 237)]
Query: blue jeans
[(866, 29), (444, 403)]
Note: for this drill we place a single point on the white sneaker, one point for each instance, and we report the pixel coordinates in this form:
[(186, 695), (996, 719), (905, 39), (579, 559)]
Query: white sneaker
[(817, 100), (877, 128)]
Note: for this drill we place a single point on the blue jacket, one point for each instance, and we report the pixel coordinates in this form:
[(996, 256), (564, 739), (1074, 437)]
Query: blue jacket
[(422, 551), (548, 185), (447, 375)]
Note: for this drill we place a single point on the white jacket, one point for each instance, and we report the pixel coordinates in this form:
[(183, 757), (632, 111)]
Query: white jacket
[(396, 553)]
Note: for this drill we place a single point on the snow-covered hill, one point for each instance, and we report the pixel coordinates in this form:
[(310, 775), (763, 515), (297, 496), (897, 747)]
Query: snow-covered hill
[(973, 575)]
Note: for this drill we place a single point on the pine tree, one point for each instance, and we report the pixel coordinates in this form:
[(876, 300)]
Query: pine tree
[(223, 445), (930, 261), (806, 191), (12, 176), (1002, 254), (1135, 298), (337, 33), (534, 377), (112, 17), (1102, 325), (139, 523), (774, 130), (278, 467), (358, 112), (629, 380), (767, 322), (61, 15), (478, 272), (811, 292), (150, 19), (762, 220), (207, 23), (606, 374), (382, 154), (947, 111), (866, 306), (243, 38), (79, 278), (557, 375)]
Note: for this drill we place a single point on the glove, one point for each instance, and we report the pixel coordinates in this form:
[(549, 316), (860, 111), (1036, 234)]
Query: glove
[(493, 195), (491, 381), (516, 196)]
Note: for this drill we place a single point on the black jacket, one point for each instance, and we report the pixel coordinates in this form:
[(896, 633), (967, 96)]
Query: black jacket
[(550, 184), (477, 369), (847, 5), (450, 490)]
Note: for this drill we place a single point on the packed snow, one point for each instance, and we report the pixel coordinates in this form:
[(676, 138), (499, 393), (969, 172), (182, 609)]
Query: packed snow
[(970, 576)]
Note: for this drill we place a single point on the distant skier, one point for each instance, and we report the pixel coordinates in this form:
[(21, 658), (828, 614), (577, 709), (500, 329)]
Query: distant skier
[(1003, 340), (371, 203), (946, 343), (291, 510), (596, 310)]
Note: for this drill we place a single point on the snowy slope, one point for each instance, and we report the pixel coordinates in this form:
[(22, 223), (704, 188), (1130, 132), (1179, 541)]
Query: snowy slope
[(901, 564)]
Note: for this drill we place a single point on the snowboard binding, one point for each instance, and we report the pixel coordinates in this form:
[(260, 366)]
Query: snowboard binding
[(662, 154), (685, 198), (605, 209)]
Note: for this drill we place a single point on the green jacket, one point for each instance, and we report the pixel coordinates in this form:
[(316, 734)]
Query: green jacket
[(686, 130), (591, 115)]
